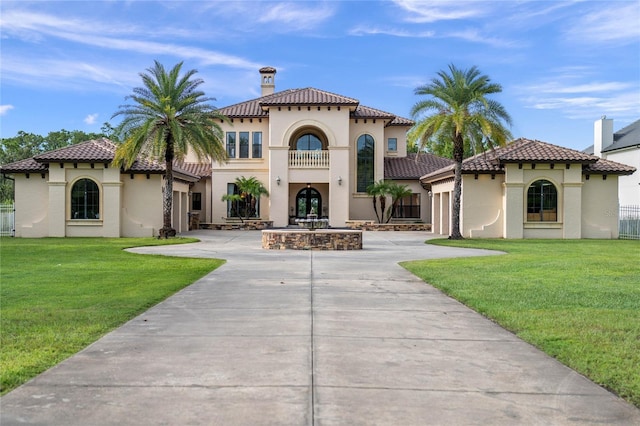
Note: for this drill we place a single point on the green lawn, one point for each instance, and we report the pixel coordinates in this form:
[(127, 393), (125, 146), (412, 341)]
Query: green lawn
[(58, 295), (577, 300)]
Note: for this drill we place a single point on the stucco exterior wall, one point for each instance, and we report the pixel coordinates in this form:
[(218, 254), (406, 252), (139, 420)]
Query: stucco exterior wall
[(600, 207), (141, 205), (482, 207), (32, 206)]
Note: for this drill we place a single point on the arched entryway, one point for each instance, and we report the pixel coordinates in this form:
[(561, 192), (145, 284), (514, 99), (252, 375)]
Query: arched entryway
[(308, 201)]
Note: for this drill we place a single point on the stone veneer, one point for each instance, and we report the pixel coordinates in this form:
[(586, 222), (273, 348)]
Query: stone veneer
[(320, 239), (248, 225), (368, 225)]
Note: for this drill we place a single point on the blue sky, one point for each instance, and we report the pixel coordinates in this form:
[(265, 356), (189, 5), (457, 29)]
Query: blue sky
[(562, 64)]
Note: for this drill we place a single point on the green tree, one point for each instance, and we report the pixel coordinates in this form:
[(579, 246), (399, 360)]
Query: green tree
[(457, 109), (397, 192), (245, 201), (169, 117)]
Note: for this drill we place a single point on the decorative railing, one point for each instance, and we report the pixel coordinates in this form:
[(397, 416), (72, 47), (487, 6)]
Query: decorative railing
[(309, 159)]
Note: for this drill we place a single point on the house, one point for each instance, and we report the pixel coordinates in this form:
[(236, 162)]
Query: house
[(623, 147), (531, 189), (76, 192), (315, 152)]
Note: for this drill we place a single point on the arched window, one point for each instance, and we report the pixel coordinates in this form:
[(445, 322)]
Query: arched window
[(365, 162), (542, 202), (85, 200), (308, 142)]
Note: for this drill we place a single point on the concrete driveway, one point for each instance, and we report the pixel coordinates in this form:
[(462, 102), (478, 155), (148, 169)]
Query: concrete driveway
[(311, 338)]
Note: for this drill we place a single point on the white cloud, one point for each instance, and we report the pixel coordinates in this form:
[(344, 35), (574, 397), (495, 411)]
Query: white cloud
[(90, 119), (616, 22), (364, 30), (4, 109), (95, 34), (297, 15), (439, 10), (582, 100)]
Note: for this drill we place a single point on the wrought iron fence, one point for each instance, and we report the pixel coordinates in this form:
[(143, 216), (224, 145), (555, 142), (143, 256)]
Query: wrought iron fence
[(7, 220), (629, 223)]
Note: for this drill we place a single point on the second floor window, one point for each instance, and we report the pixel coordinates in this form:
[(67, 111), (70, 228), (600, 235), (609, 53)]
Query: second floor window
[(257, 145), (308, 142), (231, 144), (244, 144), (392, 144), (365, 162)]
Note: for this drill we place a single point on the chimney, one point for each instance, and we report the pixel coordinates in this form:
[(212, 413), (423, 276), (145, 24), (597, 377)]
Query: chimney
[(267, 80), (602, 135)]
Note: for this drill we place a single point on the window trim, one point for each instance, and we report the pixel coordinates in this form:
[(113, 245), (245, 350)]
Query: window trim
[(553, 213), (98, 200)]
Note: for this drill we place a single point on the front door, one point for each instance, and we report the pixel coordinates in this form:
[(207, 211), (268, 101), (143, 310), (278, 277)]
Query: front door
[(306, 200)]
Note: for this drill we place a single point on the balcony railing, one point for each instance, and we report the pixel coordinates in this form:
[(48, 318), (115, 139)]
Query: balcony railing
[(309, 159)]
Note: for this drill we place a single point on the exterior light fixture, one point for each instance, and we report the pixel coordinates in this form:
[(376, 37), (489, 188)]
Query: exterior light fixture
[(278, 180), (339, 180)]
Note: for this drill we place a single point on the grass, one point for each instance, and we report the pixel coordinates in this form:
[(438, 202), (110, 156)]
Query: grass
[(58, 295), (577, 300)]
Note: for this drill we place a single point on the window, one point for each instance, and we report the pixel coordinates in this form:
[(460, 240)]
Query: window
[(244, 144), (196, 201), (365, 165), (408, 207), (542, 202), (85, 200), (231, 144), (257, 145), (309, 142), (392, 144)]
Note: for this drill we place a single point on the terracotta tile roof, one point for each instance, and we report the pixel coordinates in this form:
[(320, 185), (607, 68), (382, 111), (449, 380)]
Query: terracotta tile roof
[(97, 151), (24, 166), (413, 166), (534, 151), (307, 96), (257, 108), (91, 151), (605, 167), (531, 151), (196, 169), (401, 121)]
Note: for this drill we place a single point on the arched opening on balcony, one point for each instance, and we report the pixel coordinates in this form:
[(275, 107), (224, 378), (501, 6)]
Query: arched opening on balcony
[(308, 148)]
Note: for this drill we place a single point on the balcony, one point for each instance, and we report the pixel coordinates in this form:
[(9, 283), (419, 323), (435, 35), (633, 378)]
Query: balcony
[(309, 159)]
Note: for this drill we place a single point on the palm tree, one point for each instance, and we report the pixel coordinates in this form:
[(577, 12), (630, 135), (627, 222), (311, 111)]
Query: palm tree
[(397, 193), (169, 117), (250, 190), (378, 191), (461, 113)]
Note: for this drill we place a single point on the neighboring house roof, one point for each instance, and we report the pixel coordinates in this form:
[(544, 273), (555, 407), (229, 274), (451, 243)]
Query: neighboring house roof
[(259, 107), (531, 151), (413, 165), (92, 151), (626, 137)]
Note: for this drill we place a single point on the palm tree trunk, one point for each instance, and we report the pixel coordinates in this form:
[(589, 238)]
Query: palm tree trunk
[(458, 155), (167, 202)]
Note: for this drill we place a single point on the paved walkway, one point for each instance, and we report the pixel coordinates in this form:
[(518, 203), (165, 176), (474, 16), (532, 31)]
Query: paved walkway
[(311, 338)]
